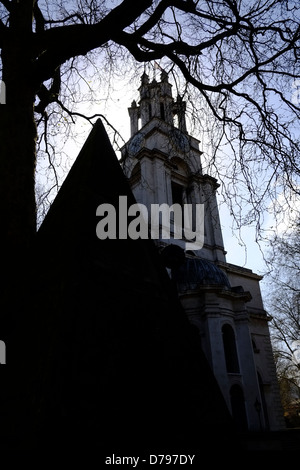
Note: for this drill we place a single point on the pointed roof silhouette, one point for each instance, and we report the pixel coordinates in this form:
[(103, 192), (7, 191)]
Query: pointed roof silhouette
[(122, 366), (95, 177)]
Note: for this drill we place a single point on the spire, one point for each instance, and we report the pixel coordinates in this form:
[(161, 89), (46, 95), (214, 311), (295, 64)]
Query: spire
[(134, 113), (164, 76), (145, 79)]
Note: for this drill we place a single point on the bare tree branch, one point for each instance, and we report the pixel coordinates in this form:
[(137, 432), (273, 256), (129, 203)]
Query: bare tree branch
[(7, 4), (60, 44), (39, 18)]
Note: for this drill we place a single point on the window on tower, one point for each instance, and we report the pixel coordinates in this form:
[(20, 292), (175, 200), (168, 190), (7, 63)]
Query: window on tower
[(136, 173), (177, 198), (177, 193), (230, 351)]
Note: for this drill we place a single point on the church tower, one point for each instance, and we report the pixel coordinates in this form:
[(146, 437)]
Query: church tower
[(162, 162)]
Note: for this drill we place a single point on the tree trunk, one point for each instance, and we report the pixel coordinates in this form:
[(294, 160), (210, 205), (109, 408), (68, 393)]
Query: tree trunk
[(17, 168), (18, 225), (17, 209), (17, 147)]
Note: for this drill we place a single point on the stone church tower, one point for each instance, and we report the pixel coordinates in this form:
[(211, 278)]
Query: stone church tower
[(163, 165)]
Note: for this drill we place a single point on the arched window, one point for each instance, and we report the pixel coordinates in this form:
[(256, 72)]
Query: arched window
[(179, 180), (177, 193), (231, 357), (238, 408), (136, 169), (254, 346)]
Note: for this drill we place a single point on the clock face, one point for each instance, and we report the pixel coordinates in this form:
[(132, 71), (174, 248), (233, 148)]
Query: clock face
[(180, 140), (136, 143)]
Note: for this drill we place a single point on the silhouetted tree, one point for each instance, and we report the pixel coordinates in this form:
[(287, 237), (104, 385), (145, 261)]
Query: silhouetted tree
[(283, 304), (242, 59)]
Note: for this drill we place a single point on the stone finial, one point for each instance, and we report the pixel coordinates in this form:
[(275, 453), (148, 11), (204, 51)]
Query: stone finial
[(164, 76), (145, 79)]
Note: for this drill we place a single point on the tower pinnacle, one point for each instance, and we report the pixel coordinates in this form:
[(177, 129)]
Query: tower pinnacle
[(156, 101)]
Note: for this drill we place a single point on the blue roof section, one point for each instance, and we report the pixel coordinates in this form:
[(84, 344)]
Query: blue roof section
[(197, 271)]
